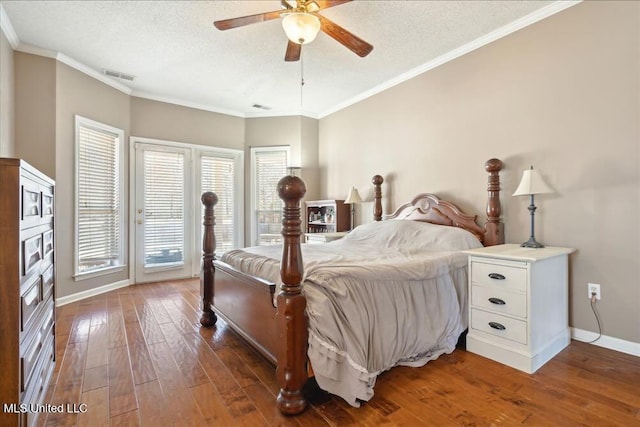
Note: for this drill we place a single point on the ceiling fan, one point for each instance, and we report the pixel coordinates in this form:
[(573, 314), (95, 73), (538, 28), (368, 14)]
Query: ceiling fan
[(301, 22)]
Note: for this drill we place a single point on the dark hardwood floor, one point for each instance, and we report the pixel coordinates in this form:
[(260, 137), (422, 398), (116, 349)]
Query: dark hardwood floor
[(138, 356)]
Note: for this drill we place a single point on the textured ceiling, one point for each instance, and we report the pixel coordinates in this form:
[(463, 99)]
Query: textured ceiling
[(176, 54)]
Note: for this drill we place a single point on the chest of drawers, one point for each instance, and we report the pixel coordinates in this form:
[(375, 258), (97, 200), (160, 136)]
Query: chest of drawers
[(518, 304), (27, 281)]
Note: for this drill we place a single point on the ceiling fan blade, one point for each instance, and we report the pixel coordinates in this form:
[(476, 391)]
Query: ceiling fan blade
[(323, 4), (349, 40), (227, 24), (293, 52)]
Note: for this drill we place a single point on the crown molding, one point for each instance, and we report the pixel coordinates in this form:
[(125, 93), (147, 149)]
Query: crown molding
[(183, 103), (504, 31), (7, 29)]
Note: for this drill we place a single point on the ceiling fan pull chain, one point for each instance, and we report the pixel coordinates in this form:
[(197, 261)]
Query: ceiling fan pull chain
[(301, 78)]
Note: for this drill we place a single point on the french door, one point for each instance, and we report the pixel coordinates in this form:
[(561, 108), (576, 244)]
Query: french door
[(168, 179), (163, 218)]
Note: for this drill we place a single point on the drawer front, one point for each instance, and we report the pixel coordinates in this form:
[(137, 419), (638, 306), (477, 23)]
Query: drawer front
[(31, 253), (31, 209), (316, 239), (502, 276), (499, 300), (47, 282), (47, 202), (39, 349), (500, 326), (29, 302), (47, 243)]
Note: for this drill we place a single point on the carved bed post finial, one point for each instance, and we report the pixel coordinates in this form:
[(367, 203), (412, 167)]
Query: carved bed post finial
[(494, 228), (377, 181), (291, 316), (208, 272)]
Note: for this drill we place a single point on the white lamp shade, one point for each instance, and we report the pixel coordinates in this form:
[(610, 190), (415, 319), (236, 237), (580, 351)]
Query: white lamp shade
[(301, 28), (354, 197), (532, 183)]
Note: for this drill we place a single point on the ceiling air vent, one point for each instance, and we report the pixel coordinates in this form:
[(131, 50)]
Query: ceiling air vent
[(118, 74), (261, 107)]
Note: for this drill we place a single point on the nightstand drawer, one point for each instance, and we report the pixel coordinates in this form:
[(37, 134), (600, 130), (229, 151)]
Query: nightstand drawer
[(501, 326), (502, 276), (499, 300)]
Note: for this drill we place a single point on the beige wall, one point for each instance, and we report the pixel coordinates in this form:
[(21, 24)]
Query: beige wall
[(77, 93), (35, 111), (7, 97), (562, 95), (169, 122)]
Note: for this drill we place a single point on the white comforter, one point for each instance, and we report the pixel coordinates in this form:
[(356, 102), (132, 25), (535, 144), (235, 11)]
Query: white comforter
[(389, 293)]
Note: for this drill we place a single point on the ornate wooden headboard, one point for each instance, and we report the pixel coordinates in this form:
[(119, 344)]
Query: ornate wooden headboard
[(429, 208)]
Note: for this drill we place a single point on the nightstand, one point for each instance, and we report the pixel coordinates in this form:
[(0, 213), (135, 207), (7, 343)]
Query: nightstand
[(324, 237), (518, 304)]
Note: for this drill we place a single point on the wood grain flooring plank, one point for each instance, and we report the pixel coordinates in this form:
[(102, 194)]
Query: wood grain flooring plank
[(69, 384), (180, 402), (153, 406), (128, 309), (213, 408), (97, 406), (115, 322), (94, 378), (184, 355), (264, 401), (128, 419), (122, 396), (141, 364), (229, 390), (97, 351), (98, 310), (81, 323)]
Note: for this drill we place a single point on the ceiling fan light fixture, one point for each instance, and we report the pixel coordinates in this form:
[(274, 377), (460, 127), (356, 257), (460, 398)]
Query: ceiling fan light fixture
[(300, 27)]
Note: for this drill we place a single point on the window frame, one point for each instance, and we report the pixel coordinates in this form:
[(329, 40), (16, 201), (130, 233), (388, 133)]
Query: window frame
[(119, 264)]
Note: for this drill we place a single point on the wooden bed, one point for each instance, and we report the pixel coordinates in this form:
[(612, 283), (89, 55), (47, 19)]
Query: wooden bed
[(248, 304)]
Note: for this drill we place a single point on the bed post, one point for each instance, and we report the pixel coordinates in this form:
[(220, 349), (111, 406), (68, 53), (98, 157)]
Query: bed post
[(208, 272), (377, 181), (494, 228), (291, 317)]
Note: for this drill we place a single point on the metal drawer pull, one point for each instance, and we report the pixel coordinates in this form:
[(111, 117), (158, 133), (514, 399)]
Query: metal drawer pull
[(497, 301), (496, 276), (498, 326)]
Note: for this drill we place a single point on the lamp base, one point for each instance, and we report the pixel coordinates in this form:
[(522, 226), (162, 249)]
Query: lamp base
[(531, 243)]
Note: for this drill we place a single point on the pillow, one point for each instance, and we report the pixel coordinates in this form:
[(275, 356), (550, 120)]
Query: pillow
[(412, 236)]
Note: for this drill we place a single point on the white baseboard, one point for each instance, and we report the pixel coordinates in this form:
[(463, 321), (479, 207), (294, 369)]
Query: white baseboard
[(91, 292), (629, 347)]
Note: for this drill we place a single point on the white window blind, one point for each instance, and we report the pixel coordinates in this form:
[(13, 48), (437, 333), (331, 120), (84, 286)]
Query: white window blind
[(218, 174), (270, 165), (99, 210), (163, 208)]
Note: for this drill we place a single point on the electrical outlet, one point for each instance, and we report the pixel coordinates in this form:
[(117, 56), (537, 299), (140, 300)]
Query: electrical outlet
[(593, 288)]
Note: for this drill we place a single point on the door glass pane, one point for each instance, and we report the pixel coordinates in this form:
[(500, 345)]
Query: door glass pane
[(163, 208)]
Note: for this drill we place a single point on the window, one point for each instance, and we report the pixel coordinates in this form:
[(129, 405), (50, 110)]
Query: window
[(99, 210), (219, 173), (269, 165)]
